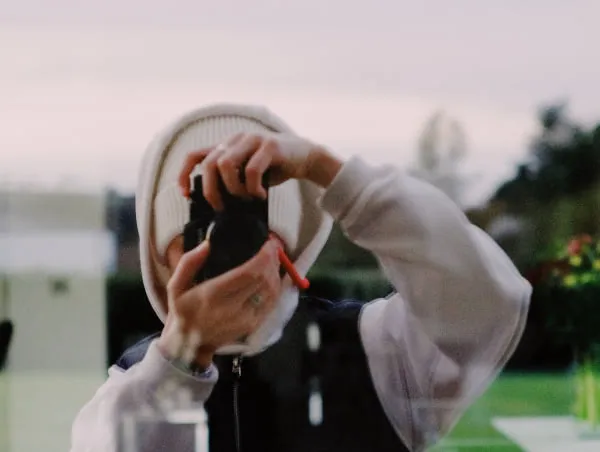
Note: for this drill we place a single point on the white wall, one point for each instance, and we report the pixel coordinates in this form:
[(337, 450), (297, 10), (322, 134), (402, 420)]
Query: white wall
[(89, 252), (51, 210), (48, 237), (57, 331), (57, 358)]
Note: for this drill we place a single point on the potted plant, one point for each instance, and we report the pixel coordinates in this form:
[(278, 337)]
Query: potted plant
[(569, 288)]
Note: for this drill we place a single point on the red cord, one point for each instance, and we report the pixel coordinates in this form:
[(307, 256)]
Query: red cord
[(301, 283)]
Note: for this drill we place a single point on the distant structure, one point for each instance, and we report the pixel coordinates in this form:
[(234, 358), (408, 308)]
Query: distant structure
[(441, 149), (121, 221), (55, 255)]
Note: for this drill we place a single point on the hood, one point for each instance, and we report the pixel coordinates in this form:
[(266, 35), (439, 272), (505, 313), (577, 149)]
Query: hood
[(315, 225)]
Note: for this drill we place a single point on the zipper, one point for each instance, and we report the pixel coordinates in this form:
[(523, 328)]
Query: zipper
[(237, 375)]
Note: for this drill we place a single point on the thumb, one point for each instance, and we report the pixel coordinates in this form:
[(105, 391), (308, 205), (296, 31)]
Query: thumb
[(189, 264)]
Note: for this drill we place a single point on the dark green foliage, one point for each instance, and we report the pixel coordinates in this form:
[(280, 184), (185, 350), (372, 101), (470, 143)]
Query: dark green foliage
[(360, 284), (130, 316), (572, 315), (564, 160), (340, 253)]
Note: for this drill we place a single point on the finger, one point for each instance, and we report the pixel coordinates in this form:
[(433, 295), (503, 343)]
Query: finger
[(243, 288), (230, 286), (275, 278), (229, 165), (211, 181), (245, 294), (234, 139), (269, 293), (255, 169), (229, 170), (240, 152), (253, 315), (193, 159), (186, 269)]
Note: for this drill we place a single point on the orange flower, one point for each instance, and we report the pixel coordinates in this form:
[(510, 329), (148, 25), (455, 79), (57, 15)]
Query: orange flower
[(574, 247)]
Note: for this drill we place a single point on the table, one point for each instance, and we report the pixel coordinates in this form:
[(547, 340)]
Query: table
[(545, 434)]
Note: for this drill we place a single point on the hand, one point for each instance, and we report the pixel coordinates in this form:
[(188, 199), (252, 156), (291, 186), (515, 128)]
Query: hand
[(285, 156), (217, 312)]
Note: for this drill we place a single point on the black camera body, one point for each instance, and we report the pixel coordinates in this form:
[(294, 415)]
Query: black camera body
[(236, 233)]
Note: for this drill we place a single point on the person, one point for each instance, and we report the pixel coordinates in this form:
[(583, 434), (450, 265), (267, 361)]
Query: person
[(6, 334), (394, 373)]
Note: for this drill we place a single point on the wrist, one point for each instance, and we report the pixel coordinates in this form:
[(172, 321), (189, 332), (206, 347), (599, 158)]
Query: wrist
[(323, 167), (204, 357), (200, 364)]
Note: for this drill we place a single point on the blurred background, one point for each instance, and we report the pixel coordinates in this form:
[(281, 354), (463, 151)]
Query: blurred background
[(496, 104)]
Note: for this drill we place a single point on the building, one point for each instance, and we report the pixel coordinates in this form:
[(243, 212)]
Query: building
[(55, 254)]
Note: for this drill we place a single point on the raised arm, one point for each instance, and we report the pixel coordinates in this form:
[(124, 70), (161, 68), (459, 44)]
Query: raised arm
[(459, 306)]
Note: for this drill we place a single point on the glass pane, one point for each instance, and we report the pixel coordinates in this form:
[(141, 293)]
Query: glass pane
[(493, 122)]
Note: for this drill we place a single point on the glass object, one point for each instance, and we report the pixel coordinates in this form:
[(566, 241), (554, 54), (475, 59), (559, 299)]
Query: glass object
[(171, 422)]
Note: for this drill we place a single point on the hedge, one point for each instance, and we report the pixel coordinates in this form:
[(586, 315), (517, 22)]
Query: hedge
[(130, 316)]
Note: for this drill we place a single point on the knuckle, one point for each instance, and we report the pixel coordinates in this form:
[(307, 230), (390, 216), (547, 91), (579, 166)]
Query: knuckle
[(179, 308), (250, 137), (270, 144), (171, 291), (252, 172), (190, 160), (224, 163), (185, 259), (210, 164)]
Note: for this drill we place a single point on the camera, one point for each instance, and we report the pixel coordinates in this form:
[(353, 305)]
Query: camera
[(236, 233)]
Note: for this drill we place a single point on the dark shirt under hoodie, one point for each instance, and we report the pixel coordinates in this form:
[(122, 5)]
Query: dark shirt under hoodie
[(275, 386)]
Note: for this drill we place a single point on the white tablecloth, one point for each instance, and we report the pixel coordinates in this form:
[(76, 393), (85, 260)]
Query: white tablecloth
[(545, 434)]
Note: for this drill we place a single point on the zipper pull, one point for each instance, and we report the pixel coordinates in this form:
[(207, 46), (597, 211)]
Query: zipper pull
[(237, 366)]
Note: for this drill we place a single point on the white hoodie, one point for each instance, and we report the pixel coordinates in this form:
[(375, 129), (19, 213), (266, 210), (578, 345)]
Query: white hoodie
[(456, 316)]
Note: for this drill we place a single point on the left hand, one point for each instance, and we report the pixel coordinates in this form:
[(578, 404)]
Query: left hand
[(285, 156)]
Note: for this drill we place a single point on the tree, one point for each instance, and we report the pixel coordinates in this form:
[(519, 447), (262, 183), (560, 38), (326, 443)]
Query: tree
[(441, 149), (556, 190), (563, 160)]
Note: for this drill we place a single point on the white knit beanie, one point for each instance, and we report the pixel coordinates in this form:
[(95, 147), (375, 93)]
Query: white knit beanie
[(171, 210), (162, 211)]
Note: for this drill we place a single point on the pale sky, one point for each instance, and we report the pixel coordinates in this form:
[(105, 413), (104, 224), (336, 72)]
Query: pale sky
[(84, 85)]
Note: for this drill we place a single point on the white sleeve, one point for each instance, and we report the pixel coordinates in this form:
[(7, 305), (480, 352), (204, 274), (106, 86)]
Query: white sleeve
[(459, 306), (96, 426)]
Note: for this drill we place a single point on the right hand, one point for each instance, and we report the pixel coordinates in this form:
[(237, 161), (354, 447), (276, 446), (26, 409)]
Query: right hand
[(219, 310)]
